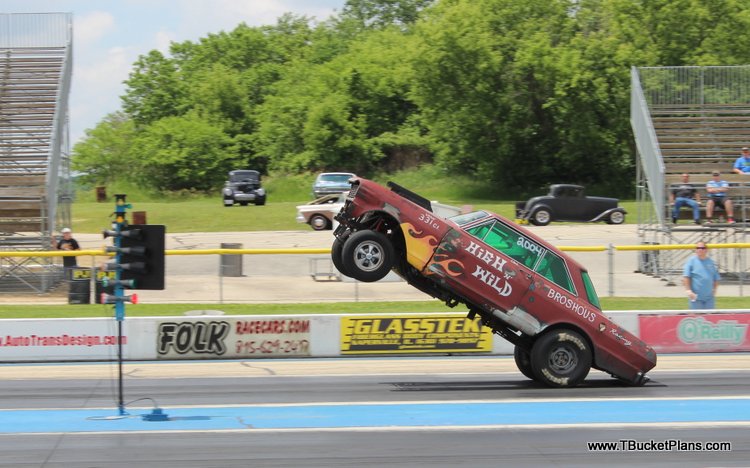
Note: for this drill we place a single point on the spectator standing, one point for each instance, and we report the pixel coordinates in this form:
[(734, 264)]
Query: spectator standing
[(717, 196), (685, 194), (66, 243), (742, 164), (701, 278)]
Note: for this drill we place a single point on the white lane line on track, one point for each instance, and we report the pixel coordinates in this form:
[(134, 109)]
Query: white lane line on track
[(403, 402), (514, 427)]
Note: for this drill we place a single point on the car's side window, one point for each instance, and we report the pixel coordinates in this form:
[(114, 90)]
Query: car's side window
[(510, 242), (479, 231), (590, 291), (554, 269)]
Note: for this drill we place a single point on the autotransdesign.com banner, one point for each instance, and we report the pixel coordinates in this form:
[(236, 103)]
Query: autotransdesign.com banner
[(410, 334)]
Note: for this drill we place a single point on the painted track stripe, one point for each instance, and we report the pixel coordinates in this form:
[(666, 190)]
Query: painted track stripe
[(482, 414)]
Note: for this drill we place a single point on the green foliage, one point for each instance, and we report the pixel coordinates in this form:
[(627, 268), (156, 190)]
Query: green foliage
[(517, 94), (183, 153), (104, 156)]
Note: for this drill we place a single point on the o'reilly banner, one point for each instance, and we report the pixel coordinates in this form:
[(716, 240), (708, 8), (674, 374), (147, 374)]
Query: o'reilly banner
[(711, 332)]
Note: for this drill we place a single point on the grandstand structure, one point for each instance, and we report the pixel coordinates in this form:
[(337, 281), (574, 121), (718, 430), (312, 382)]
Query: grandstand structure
[(35, 189), (691, 120)]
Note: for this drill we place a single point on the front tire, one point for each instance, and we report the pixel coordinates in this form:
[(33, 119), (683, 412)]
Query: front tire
[(616, 217), (541, 217), (336, 256), (561, 358), (368, 256), (523, 362), (260, 201)]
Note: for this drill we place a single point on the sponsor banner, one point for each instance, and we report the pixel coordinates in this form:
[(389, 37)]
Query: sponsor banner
[(696, 332), (71, 339), (232, 338), (413, 334)]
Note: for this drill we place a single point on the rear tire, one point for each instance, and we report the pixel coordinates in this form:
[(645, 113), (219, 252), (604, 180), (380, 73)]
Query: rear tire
[(368, 256), (523, 362), (561, 358), (243, 203), (319, 222)]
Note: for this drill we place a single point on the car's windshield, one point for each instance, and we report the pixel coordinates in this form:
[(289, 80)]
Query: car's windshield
[(337, 178), (244, 175), (467, 218)]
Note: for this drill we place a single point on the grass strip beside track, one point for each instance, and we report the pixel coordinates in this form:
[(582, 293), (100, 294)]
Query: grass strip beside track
[(144, 310)]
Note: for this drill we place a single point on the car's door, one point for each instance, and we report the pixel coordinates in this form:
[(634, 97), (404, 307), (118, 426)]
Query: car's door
[(553, 296), (496, 262), (567, 203)]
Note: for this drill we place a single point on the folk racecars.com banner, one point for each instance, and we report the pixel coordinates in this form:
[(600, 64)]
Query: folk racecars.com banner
[(413, 334)]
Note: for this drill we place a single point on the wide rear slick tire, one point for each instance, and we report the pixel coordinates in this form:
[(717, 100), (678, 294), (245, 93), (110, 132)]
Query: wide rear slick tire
[(368, 256), (561, 358)]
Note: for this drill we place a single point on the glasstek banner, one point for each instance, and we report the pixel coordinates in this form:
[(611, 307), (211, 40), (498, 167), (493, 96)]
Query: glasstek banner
[(410, 334)]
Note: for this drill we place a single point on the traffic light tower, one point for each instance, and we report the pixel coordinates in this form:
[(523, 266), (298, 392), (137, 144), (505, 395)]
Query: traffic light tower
[(138, 264)]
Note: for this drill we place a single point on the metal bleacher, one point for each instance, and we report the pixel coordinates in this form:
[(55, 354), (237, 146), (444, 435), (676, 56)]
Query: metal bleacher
[(35, 74), (690, 120)]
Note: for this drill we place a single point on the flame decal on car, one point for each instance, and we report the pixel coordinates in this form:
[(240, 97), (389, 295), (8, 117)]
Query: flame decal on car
[(419, 247), (443, 262)]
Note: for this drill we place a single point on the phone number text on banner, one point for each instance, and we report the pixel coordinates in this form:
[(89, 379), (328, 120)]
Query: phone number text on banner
[(696, 332), (410, 334)]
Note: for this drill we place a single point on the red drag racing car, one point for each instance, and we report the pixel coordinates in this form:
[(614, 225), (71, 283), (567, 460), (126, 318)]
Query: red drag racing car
[(523, 288)]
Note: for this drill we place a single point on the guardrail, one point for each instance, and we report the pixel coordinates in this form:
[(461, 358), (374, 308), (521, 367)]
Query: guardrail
[(610, 249)]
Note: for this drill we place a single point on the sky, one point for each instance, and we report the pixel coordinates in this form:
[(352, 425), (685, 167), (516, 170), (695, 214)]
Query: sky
[(109, 35)]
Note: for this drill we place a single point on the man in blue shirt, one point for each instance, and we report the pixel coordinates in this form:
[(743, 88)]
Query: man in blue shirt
[(700, 278), (717, 196), (685, 194), (742, 164)]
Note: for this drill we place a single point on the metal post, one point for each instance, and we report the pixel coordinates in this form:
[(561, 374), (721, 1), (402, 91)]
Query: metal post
[(221, 281), (611, 268)]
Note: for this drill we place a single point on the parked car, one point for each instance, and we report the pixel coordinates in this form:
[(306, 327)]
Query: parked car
[(523, 288), (330, 183), (319, 213), (566, 202), (243, 187)]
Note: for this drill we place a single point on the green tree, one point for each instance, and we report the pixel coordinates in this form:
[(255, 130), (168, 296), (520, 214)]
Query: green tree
[(154, 90), (104, 155), (183, 153)]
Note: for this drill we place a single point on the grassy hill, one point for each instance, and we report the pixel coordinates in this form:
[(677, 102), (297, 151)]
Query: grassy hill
[(196, 212)]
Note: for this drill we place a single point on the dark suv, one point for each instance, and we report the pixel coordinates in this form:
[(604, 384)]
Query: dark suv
[(523, 288), (243, 187)]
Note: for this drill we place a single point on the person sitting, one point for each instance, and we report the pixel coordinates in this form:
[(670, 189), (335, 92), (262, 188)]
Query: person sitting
[(717, 196), (742, 164), (685, 194)]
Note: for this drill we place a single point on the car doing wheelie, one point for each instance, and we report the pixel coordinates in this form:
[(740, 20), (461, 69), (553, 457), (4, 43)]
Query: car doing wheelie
[(523, 288)]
